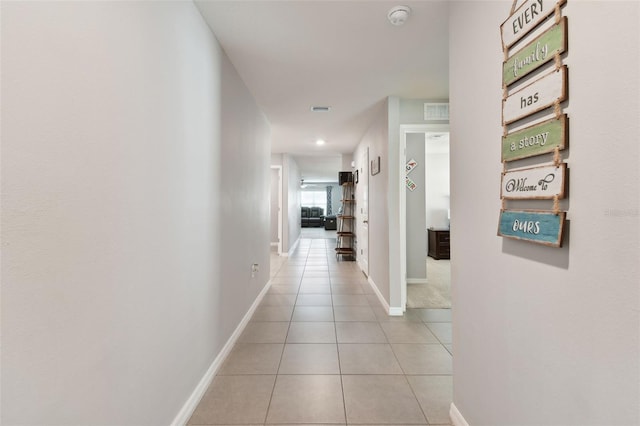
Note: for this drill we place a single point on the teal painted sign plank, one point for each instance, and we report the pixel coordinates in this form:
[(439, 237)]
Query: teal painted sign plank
[(534, 226), (536, 53), (525, 18), (535, 140)]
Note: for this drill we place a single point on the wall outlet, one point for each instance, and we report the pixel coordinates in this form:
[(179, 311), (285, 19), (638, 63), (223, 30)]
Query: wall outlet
[(254, 268)]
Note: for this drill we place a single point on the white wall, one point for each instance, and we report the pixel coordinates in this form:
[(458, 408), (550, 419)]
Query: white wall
[(290, 200), (384, 198), (412, 110), (291, 223), (346, 162), (547, 336), (336, 198), (124, 129), (376, 139), (392, 174), (274, 205), (276, 159), (437, 165), (415, 211)]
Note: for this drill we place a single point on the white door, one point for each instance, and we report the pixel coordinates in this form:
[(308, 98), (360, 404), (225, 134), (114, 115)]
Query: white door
[(362, 207)]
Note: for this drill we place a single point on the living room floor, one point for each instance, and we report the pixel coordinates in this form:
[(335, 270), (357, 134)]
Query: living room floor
[(321, 349), (317, 233)]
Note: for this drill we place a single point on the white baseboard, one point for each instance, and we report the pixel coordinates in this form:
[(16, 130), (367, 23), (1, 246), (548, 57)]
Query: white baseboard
[(192, 402), (293, 248), (456, 417), (416, 280), (278, 248), (373, 285), (394, 312)]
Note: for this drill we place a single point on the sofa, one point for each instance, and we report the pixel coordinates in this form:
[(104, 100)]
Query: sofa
[(312, 217), (330, 223)]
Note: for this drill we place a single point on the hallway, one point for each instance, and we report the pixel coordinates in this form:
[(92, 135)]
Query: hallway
[(320, 349)]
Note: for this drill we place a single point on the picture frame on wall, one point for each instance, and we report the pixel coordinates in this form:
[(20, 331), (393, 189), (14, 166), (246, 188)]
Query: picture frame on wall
[(375, 166)]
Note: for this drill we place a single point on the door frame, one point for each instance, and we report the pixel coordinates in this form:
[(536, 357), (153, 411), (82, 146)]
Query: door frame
[(364, 174), (279, 169), (402, 192)]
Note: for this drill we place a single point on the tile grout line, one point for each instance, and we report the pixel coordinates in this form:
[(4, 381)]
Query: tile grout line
[(335, 327), (376, 320), (284, 345)]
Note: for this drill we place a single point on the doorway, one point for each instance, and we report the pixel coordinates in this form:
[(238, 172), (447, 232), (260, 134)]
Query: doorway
[(428, 267), (435, 214), (276, 209)]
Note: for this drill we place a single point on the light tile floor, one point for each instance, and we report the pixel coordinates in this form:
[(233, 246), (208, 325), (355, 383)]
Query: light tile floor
[(320, 349)]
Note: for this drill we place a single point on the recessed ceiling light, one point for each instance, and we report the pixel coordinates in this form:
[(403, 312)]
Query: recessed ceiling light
[(320, 108), (320, 142), (398, 15)]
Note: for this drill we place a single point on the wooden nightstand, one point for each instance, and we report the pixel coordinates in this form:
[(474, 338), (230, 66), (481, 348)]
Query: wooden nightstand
[(438, 243)]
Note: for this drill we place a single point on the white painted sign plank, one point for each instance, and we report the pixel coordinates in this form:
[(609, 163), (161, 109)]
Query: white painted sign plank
[(526, 18), (535, 97), (411, 185), (411, 164), (544, 182)]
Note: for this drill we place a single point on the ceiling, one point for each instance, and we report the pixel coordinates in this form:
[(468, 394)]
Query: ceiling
[(437, 143), (293, 55)]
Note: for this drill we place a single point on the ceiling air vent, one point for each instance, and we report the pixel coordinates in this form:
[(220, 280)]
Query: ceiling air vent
[(436, 111), (320, 108)]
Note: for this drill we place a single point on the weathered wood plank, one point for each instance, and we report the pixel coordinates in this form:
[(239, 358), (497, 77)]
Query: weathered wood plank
[(532, 183), (540, 94), (535, 226), (538, 139), (536, 53), (526, 18)]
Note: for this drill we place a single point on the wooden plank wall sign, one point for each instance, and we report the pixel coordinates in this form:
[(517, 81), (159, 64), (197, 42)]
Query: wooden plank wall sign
[(541, 94), (536, 53), (411, 185), (534, 81), (525, 18), (535, 140), (534, 226), (534, 183), (411, 164)]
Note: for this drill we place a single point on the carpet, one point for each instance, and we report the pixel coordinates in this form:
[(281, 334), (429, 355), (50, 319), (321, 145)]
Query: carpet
[(436, 293)]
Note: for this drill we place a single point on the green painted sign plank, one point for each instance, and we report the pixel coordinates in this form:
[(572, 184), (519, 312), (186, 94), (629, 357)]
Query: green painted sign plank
[(536, 53), (535, 140), (533, 226)]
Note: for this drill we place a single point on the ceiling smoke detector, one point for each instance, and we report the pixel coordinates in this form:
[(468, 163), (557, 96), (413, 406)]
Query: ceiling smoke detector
[(398, 15)]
